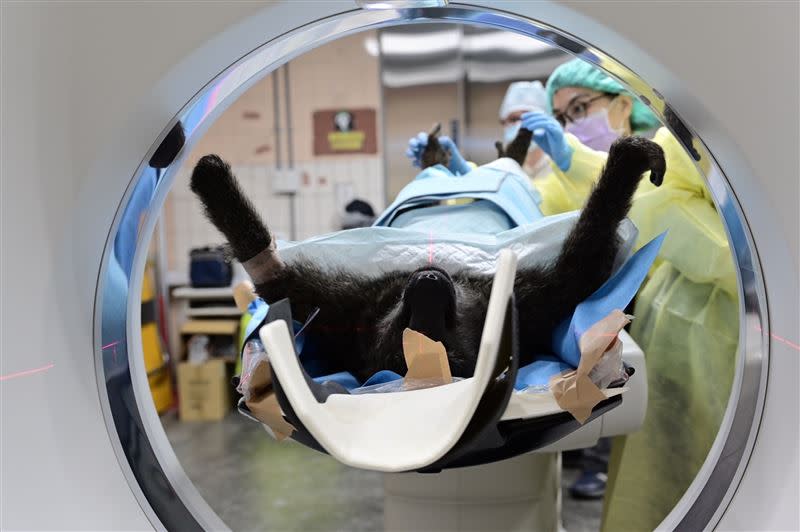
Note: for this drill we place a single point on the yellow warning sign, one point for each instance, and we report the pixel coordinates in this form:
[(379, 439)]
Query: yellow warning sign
[(346, 140)]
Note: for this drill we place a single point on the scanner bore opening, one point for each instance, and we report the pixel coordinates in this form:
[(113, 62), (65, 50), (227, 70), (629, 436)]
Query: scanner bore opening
[(163, 489)]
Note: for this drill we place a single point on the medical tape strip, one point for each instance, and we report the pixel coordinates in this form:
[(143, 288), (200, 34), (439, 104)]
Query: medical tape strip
[(574, 390), (264, 265), (263, 404), (425, 358)]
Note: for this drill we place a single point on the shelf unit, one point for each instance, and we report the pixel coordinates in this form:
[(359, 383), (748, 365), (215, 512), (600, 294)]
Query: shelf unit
[(182, 311)]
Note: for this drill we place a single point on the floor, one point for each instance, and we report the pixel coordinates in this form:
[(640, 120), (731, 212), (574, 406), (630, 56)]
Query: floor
[(255, 483)]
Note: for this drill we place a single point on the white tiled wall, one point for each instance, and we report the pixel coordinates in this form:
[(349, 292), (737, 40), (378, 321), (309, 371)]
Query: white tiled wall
[(340, 74)]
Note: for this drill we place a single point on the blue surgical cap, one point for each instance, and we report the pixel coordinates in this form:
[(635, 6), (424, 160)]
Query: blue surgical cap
[(579, 73)]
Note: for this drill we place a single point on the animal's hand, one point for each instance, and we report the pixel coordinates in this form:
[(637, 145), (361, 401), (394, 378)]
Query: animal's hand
[(639, 155), (416, 147)]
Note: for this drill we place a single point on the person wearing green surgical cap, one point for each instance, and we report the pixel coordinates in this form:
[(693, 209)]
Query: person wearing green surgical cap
[(595, 107), (549, 156), (687, 312)]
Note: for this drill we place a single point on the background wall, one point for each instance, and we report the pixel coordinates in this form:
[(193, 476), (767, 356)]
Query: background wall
[(483, 106), (339, 75), (409, 110), (410, 87)]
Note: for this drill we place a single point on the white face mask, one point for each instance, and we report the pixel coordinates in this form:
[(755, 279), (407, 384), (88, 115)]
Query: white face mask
[(510, 131)]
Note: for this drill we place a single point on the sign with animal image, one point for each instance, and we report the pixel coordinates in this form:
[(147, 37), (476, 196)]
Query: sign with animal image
[(345, 131)]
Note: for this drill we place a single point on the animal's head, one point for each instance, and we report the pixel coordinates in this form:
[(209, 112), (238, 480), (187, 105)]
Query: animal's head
[(446, 310)]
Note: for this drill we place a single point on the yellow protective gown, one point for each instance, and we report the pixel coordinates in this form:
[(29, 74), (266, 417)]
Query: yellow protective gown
[(567, 191), (686, 322)]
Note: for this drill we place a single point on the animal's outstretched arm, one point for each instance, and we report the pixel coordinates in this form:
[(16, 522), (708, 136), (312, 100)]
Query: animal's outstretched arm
[(588, 253), (307, 285), (236, 218)]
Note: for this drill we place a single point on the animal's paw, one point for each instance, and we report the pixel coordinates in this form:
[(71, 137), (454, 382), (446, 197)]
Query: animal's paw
[(435, 152), (209, 173), (640, 155), (518, 148)]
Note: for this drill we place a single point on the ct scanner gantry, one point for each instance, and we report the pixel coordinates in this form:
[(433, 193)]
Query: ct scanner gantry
[(90, 89)]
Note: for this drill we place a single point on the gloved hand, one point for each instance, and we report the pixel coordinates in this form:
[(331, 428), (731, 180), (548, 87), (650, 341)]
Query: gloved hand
[(416, 145), (549, 135)]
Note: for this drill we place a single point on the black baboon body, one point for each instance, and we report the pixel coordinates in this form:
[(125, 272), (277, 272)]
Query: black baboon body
[(361, 319)]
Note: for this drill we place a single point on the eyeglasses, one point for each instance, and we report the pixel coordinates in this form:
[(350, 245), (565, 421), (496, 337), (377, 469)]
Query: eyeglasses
[(576, 110)]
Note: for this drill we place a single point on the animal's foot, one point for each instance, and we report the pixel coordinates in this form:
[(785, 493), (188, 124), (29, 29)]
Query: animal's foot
[(210, 173), (639, 155)]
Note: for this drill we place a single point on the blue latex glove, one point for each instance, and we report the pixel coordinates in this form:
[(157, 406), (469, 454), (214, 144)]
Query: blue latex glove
[(416, 145), (549, 135)]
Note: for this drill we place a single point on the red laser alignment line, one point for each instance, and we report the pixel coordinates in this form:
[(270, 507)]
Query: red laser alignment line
[(780, 339), (25, 373), (114, 352), (430, 247)]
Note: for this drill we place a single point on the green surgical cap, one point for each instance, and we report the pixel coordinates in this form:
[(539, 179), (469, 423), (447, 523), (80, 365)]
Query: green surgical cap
[(579, 73)]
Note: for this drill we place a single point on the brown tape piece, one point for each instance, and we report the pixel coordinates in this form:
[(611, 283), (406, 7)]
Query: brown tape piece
[(265, 265), (426, 359), (264, 404), (573, 390), (244, 293)]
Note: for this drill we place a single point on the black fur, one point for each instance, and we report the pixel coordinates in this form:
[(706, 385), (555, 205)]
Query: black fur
[(361, 320), (228, 208), (434, 152), (518, 148)]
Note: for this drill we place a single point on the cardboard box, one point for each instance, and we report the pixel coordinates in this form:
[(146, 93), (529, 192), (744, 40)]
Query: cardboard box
[(204, 390)]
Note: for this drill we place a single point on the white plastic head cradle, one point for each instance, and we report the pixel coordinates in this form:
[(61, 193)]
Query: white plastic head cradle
[(399, 431)]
